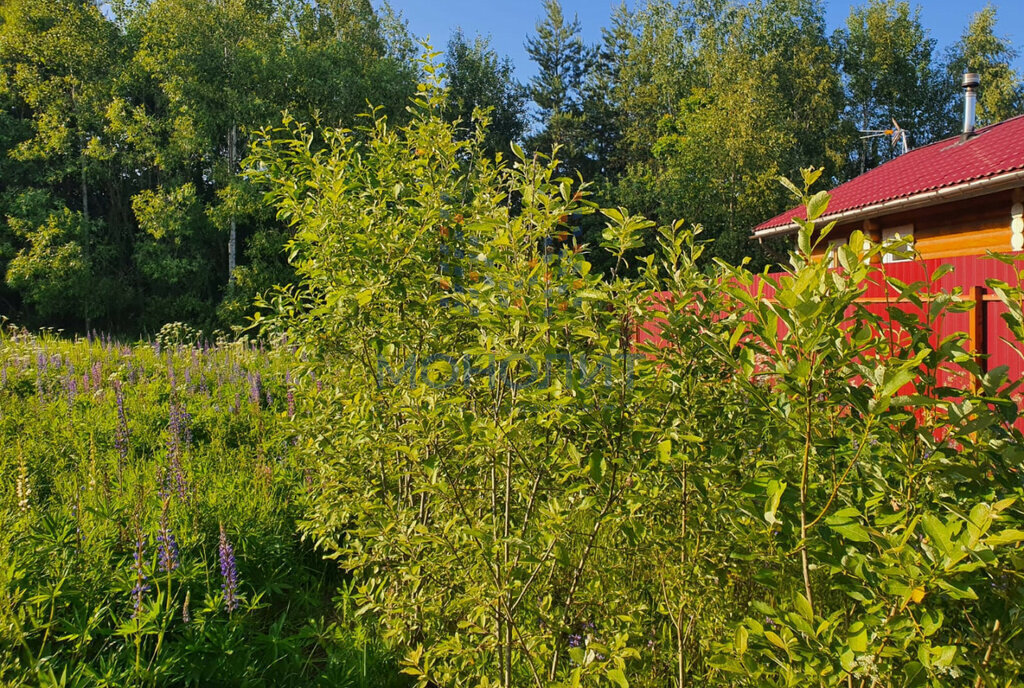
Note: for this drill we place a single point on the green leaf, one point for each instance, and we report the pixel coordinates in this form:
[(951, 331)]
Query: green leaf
[(853, 531), (817, 205), (938, 534), (740, 639), (775, 640), (665, 451), (1010, 536), (618, 678), (364, 297), (858, 640), (804, 607), (774, 496)]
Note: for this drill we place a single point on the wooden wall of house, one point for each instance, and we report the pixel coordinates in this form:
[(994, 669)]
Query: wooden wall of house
[(966, 227)]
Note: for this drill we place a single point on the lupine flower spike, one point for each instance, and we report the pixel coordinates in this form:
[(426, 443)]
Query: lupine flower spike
[(228, 572), (186, 615), (121, 432), (167, 544), (139, 591)]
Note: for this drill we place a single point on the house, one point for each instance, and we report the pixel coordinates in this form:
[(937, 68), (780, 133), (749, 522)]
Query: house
[(963, 196)]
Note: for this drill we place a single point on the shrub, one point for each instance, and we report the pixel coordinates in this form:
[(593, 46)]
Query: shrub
[(782, 495)]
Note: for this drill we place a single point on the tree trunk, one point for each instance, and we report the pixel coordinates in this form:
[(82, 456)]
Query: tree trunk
[(85, 217), (232, 233)]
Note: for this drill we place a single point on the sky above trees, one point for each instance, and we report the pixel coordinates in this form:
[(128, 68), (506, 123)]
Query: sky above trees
[(508, 23)]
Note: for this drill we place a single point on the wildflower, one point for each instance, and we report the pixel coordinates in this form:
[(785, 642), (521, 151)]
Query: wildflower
[(179, 436), (40, 371), (167, 544), (255, 387), (186, 616), (140, 588), (228, 571), (121, 432), (290, 395), (170, 370), (21, 486)]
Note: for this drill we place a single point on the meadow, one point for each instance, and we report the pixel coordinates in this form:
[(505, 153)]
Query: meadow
[(148, 521)]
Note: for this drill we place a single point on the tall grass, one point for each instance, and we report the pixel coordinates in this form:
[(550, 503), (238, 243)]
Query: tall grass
[(147, 522)]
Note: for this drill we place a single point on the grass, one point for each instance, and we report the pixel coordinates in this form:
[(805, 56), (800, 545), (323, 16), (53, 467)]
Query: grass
[(123, 462)]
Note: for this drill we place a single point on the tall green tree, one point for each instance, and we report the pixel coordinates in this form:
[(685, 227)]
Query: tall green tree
[(479, 78), (761, 97), (890, 73), (563, 61), (980, 50), (58, 63)]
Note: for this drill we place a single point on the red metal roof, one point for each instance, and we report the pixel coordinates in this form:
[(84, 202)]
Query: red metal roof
[(991, 151)]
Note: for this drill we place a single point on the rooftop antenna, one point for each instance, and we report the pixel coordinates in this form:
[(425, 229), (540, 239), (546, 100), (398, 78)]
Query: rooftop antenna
[(897, 135)]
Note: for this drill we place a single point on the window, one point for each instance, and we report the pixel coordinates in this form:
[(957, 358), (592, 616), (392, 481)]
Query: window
[(902, 240), (833, 249)]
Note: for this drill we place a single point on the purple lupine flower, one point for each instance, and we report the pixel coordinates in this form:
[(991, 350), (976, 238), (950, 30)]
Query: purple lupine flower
[(167, 544), (238, 403), (121, 432), (163, 483), (180, 426), (179, 437), (228, 572), (174, 431), (97, 374), (290, 396), (255, 387), (140, 588), (40, 371), (3, 376)]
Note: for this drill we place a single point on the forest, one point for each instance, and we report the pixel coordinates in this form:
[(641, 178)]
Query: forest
[(125, 127)]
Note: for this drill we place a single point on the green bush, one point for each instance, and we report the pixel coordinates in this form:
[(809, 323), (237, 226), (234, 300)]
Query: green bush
[(784, 494)]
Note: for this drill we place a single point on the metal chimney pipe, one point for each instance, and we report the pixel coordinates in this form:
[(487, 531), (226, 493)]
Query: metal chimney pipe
[(970, 85)]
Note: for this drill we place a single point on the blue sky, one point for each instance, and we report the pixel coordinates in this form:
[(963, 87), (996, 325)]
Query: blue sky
[(508, 22)]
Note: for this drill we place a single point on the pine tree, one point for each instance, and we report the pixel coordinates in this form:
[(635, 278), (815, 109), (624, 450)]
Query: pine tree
[(563, 61)]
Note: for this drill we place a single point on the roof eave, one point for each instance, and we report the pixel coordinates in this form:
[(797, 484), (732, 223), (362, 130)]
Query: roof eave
[(977, 187)]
